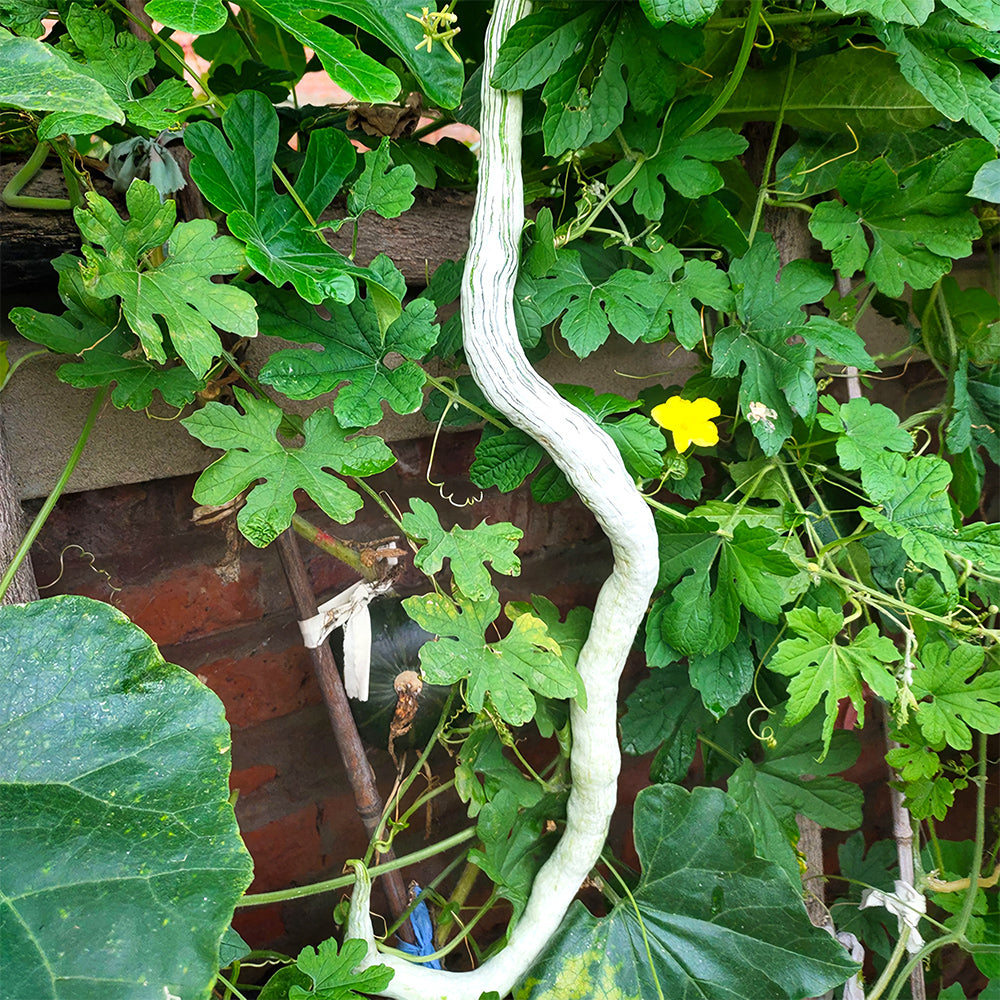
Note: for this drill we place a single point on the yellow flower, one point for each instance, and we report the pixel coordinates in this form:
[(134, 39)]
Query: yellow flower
[(689, 422)]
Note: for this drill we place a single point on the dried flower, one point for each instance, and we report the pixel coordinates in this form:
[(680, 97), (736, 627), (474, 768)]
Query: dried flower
[(689, 422)]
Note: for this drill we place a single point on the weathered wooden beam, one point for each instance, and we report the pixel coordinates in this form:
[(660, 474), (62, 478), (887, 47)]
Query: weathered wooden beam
[(435, 229)]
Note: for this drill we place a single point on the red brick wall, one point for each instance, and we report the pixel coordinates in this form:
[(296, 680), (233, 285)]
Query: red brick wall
[(227, 617)]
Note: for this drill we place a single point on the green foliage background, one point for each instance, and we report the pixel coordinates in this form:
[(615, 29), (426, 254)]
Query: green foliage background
[(828, 551)]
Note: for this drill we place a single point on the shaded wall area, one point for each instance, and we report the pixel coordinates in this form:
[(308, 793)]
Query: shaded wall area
[(222, 609)]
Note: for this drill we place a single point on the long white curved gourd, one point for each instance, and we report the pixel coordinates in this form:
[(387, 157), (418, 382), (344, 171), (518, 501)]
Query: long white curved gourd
[(594, 467)]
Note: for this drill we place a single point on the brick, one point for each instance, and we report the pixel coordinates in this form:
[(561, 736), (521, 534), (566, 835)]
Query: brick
[(191, 601), (263, 685), (259, 926), (251, 778), (285, 852)]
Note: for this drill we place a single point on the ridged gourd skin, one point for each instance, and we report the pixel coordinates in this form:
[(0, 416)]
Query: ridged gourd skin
[(396, 642)]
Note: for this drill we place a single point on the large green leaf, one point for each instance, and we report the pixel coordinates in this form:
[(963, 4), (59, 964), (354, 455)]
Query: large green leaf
[(92, 329), (672, 288), (904, 11), (254, 452), (179, 288), (524, 661), (121, 857), (364, 77), (36, 77), (773, 372), (707, 920), (116, 60), (707, 573), (822, 668), (690, 12), (956, 87), (199, 17), (789, 781), (861, 88), (684, 162), (664, 714), (959, 695)]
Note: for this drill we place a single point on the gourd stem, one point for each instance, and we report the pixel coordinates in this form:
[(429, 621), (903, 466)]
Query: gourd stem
[(594, 467)]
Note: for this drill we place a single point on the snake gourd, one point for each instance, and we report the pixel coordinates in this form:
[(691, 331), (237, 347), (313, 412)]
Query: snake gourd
[(594, 467)]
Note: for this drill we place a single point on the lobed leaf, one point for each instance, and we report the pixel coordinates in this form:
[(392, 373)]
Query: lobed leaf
[(375, 366), (468, 550), (821, 668), (918, 220), (509, 671), (253, 452)]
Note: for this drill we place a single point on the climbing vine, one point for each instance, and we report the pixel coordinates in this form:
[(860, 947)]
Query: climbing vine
[(803, 533)]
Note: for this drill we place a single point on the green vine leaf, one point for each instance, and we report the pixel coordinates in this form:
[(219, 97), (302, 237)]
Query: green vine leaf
[(505, 458), (699, 877), (918, 219), (863, 430), (915, 508), (199, 17), (332, 975), (789, 781), (382, 188), (516, 841), (664, 713), (688, 12), (685, 163), (592, 65), (179, 289), (707, 574), (375, 366), (92, 329), (237, 177), (524, 661), (253, 452), (364, 77), (857, 88), (468, 550), (974, 316), (723, 676), (903, 11), (671, 288), (959, 696), (823, 669), (637, 438), (116, 61), (773, 372), (590, 310)]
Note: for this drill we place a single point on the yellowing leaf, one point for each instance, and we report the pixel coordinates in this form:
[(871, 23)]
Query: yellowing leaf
[(526, 660)]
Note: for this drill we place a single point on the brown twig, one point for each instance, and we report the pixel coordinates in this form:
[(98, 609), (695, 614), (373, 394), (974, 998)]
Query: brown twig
[(345, 731)]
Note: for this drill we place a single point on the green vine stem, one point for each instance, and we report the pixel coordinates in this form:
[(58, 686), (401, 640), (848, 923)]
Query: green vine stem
[(12, 196), (594, 467), (53, 497), (343, 881), (721, 99)]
